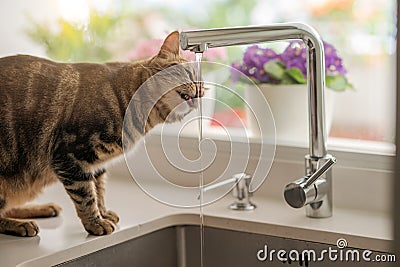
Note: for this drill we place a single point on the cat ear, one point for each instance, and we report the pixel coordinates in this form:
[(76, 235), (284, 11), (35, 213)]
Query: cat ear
[(171, 43)]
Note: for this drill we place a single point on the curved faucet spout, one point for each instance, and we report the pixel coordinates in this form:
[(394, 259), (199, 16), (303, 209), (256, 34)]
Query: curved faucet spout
[(318, 205), (199, 40)]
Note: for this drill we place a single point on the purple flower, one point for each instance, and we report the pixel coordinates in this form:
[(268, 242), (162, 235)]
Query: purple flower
[(333, 63), (295, 55), (254, 60)]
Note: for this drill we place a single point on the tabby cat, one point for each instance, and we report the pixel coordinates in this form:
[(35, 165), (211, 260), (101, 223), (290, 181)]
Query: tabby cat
[(64, 121)]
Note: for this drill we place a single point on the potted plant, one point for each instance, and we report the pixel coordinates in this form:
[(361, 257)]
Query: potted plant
[(281, 77)]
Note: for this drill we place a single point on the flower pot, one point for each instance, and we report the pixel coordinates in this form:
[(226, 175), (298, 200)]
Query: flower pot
[(289, 106)]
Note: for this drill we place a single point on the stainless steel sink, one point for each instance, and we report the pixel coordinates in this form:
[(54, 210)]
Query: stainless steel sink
[(179, 246)]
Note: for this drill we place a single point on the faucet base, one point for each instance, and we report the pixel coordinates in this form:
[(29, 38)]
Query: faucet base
[(321, 207), (313, 210), (242, 206)]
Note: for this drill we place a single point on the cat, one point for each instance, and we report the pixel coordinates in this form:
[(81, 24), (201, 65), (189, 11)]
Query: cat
[(64, 122)]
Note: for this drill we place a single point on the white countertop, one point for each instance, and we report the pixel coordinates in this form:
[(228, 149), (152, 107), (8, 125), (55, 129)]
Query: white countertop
[(63, 238)]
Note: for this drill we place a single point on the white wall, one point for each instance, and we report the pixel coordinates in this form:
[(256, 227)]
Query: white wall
[(14, 23)]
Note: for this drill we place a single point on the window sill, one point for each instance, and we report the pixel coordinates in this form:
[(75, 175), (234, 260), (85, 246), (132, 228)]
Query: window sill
[(362, 146), (351, 153)]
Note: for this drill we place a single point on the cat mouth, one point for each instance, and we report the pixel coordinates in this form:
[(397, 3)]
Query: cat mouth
[(189, 99)]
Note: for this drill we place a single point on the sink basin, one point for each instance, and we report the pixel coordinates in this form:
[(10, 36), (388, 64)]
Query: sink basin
[(179, 246)]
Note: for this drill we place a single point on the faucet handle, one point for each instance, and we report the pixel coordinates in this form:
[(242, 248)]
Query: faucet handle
[(323, 169), (304, 191)]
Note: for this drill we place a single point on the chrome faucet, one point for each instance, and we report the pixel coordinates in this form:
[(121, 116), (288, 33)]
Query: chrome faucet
[(315, 189)]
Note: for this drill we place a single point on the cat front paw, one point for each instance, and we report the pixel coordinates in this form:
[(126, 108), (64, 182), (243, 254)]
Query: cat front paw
[(26, 229), (110, 215), (100, 227)]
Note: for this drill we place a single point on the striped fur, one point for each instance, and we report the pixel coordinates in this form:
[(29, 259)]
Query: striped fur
[(63, 122)]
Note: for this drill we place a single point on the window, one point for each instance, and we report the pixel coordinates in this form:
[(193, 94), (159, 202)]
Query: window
[(363, 32)]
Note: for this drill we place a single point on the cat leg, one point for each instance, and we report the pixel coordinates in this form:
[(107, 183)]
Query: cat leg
[(100, 176), (81, 188), (34, 211), (16, 227), (83, 194)]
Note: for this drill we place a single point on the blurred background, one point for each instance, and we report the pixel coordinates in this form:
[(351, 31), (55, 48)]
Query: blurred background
[(362, 31)]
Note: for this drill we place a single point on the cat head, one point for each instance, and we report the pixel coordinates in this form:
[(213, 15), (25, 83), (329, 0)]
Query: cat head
[(177, 89)]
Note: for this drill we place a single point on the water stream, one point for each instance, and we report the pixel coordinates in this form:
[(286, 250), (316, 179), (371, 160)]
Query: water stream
[(201, 178)]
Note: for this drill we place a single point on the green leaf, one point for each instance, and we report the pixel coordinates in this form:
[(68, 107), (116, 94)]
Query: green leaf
[(296, 75), (287, 79), (337, 83), (349, 86), (275, 69), (73, 42)]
